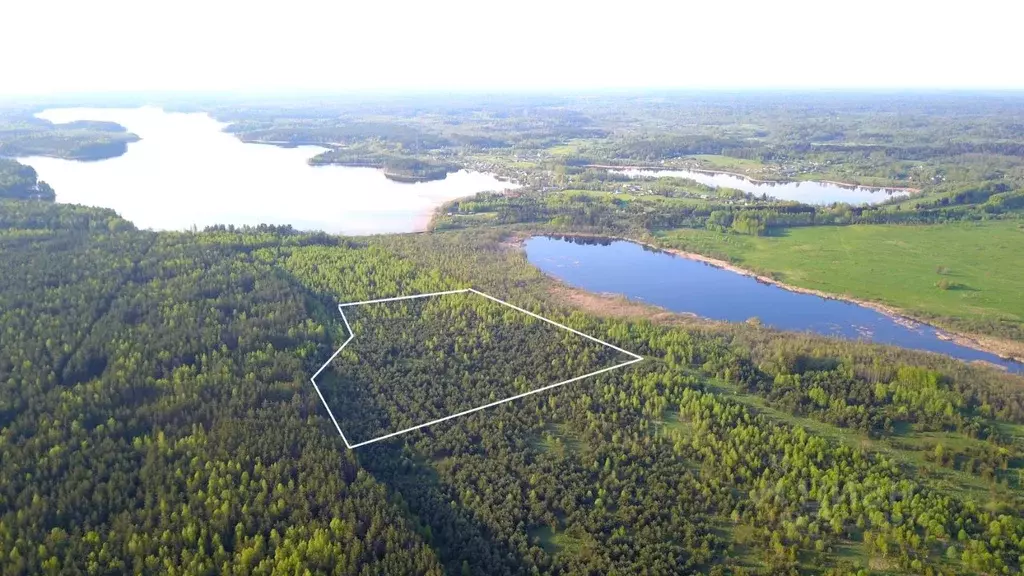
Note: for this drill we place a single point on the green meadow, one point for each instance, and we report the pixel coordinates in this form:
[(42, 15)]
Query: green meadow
[(966, 275)]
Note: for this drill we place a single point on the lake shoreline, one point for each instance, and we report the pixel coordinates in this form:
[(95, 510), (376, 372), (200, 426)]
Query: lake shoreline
[(755, 180), (1005, 349), (196, 172)]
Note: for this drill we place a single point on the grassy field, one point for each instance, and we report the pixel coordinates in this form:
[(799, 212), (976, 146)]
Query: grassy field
[(967, 274), (729, 163), (568, 149)]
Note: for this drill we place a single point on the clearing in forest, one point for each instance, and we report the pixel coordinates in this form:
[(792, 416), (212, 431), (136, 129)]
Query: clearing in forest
[(413, 361)]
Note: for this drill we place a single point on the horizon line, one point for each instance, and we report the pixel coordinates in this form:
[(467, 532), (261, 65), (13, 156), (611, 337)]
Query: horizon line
[(504, 91)]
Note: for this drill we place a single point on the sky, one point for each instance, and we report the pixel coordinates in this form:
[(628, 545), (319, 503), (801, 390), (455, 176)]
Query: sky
[(71, 46)]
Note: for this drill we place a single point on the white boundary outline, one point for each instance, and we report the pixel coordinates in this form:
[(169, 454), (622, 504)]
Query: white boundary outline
[(351, 335)]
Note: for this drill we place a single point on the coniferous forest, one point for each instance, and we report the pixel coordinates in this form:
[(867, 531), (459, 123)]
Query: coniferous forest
[(156, 416)]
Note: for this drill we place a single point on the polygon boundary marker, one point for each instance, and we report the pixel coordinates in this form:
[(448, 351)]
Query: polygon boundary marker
[(351, 335)]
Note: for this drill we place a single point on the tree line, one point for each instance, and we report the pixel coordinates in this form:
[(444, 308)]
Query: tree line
[(156, 415)]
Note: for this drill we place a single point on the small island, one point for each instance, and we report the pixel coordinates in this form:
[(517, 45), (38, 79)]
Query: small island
[(23, 134), (405, 169), (395, 167)]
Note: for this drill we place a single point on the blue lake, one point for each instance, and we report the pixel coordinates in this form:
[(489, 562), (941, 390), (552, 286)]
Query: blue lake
[(682, 285)]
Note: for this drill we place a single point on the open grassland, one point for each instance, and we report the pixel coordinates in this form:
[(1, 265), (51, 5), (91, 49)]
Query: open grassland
[(965, 275), (717, 161), (568, 149)]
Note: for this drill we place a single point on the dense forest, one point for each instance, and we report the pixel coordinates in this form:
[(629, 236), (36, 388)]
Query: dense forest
[(435, 356), (395, 166), (22, 182), (156, 415), (668, 203)]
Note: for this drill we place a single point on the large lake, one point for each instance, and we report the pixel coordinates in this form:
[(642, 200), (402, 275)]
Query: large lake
[(684, 285), (185, 171), (808, 192)]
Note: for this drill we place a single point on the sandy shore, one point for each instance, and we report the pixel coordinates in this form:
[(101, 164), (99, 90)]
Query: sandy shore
[(1007, 349)]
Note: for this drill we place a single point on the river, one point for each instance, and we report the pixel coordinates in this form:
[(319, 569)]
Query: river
[(684, 285), (808, 192), (186, 171)]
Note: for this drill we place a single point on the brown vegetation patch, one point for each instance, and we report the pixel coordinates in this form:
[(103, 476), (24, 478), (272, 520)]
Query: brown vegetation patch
[(618, 306)]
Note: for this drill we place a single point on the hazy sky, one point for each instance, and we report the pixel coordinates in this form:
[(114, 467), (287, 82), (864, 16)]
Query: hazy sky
[(344, 45)]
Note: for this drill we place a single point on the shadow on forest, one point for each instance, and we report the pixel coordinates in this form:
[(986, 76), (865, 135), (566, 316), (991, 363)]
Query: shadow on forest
[(447, 527), (451, 529), (341, 394), (359, 415)]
